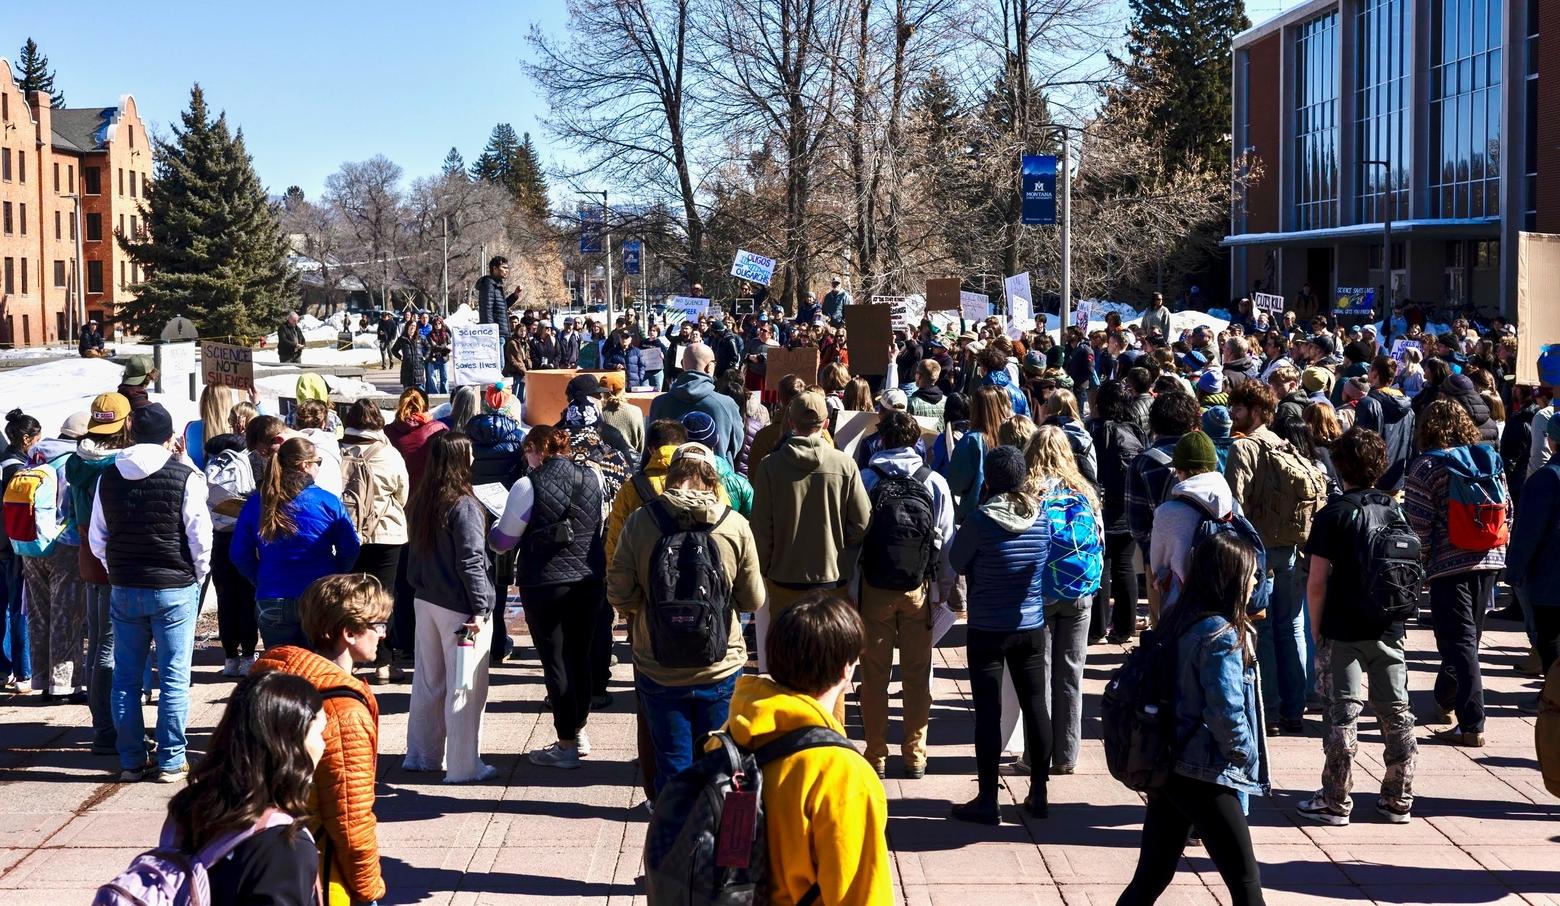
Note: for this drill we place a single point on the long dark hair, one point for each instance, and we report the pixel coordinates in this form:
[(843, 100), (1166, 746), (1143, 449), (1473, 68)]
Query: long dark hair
[(257, 761), (285, 479), (1216, 580), (446, 480)]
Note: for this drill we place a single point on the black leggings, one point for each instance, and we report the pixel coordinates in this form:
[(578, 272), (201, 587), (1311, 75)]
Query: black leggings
[(1022, 652), (383, 562), (562, 620), (1118, 580), (1546, 628), (236, 621), (601, 642), (1173, 810), (403, 618)]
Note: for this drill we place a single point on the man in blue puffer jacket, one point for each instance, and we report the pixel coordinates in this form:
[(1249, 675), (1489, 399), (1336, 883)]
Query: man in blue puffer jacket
[(993, 369)]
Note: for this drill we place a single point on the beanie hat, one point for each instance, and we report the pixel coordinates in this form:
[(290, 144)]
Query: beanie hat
[(1315, 380), (1005, 470), (1211, 382), (701, 428), (1552, 430), (1194, 453), (1217, 424), (1459, 383)]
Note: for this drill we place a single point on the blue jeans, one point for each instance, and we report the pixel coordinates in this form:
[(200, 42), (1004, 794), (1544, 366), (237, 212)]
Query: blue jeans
[(279, 623), (100, 663), (1281, 642), (679, 715), (142, 616), (435, 377), (15, 652)]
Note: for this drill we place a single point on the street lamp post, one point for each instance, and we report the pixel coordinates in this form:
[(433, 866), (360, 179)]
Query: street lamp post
[(606, 238), (1064, 164)]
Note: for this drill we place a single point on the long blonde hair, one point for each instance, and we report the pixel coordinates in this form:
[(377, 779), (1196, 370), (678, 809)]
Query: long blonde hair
[(1050, 458), (989, 408), (1062, 402), (216, 405)]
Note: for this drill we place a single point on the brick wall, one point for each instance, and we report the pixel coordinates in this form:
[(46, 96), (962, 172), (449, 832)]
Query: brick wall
[(1263, 100)]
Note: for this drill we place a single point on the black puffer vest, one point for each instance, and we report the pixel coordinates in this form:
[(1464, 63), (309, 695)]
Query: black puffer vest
[(147, 547), (565, 492)]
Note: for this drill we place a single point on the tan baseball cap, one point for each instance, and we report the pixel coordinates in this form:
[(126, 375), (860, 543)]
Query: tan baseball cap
[(808, 410), (109, 412)]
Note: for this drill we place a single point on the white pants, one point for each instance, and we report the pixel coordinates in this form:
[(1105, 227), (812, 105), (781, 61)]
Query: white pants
[(445, 723)]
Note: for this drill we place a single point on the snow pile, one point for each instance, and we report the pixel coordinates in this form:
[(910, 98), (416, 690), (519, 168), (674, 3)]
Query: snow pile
[(54, 391), (461, 317)]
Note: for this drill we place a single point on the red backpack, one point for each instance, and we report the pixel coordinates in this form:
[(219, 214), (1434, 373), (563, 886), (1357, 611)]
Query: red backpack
[(1476, 500)]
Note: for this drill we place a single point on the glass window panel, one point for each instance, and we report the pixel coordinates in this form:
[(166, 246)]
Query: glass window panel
[(1497, 22), (1479, 36), (1495, 74), (1476, 144)]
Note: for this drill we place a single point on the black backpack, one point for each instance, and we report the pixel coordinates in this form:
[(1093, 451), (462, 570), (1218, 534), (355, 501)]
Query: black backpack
[(707, 844), (689, 596), (1137, 714), (1389, 564), (898, 553)]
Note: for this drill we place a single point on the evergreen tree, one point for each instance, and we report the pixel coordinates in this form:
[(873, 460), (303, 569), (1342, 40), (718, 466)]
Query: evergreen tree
[(1182, 49), (32, 73), (213, 249), (293, 198), (512, 162), (454, 164), (530, 185), (496, 164)]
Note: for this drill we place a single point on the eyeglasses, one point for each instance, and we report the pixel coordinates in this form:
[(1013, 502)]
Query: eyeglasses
[(380, 626)]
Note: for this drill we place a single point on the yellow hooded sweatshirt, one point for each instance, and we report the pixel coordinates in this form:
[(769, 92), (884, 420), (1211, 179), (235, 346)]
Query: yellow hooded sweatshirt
[(825, 809)]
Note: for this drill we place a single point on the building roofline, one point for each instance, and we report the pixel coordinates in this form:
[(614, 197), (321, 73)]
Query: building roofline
[(1289, 17)]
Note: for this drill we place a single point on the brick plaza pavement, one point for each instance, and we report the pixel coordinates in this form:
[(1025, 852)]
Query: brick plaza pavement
[(1484, 828)]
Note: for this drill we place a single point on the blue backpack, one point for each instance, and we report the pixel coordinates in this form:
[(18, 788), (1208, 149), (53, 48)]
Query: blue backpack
[(1242, 528), (1074, 555)]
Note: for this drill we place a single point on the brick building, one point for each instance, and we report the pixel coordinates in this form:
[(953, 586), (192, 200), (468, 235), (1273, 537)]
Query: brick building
[(53, 162), (1430, 113)]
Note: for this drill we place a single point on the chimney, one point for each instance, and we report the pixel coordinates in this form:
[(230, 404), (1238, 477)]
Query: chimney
[(43, 114)]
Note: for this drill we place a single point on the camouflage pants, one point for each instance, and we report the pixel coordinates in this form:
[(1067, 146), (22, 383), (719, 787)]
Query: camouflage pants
[(1341, 669), (56, 620)]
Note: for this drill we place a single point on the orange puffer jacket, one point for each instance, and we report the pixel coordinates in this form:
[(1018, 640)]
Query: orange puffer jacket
[(343, 795)]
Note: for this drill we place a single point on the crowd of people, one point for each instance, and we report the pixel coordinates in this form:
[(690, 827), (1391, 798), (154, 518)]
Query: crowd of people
[(1282, 496)]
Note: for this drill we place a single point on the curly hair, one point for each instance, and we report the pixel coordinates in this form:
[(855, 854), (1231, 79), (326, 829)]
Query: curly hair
[(1446, 424)]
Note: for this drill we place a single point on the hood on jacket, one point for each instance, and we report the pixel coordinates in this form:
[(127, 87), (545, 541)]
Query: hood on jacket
[(690, 507), (92, 449), (660, 460), (491, 429), (138, 461), (1074, 429), (363, 437), (1208, 488), (928, 394), (692, 386), (317, 669), (312, 387), (50, 449), (997, 379), (1394, 405), (1004, 510), (1474, 461), (802, 454), (901, 462), (762, 709)]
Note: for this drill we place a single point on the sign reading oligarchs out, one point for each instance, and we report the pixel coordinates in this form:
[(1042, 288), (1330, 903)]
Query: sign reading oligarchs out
[(753, 268), (1039, 187)]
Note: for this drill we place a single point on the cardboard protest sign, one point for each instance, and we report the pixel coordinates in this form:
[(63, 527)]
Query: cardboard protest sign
[(942, 293), (1538, 317), (226, 365), (691, 307), (869, 332), (476, 355), (753, 268), (801, 361), (974, 306), (1269, 302), (853, 427), (1402, 344), (1020, 316), (175, 366)]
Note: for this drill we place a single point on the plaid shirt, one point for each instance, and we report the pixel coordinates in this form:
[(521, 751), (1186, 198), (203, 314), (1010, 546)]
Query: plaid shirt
[(1149, 483)]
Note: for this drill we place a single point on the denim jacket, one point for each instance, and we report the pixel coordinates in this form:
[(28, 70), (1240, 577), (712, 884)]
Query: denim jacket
[(1218, 710)]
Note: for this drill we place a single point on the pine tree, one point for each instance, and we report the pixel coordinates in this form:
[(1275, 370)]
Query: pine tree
[(454, 164), (1182, 48), (530, 185), (496, 164), (213, 250), (32, 73), (293, 198)]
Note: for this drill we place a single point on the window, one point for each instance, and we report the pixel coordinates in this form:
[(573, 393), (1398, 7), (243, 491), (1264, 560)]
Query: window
[(56, 177), (5, 162), (121, 180), (10, 276), (9, 224), (93, 177), (1465, 111), (135, 229), (22, 214), (5, 107), (70, 171), (21, 166), (94, 227), (1530, 167), (1316, 123), (94, 276), (132, 183), (59, 272), (121, 275), (72, 216), (58, 234), (24, 276), (130, 130), (121, 224)]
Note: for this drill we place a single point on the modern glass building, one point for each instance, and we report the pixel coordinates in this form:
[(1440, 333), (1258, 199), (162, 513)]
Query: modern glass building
[(1427, 113)]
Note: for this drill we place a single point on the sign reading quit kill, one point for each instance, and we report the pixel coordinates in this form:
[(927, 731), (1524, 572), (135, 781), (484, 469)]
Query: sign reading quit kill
[(226, 365), (802, 362)]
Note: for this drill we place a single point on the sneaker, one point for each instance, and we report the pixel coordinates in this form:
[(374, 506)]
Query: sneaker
[(1019, 768), (556, 756), (1062, 769), (1456, 736), (1275, 728), (22, 687), (177, 775), (914, 771), (1394, 814), (230, 668), (582, 744), (485, 773), (880, 767), (136, 775), (977, 812), (381, 676), (1316, 810)]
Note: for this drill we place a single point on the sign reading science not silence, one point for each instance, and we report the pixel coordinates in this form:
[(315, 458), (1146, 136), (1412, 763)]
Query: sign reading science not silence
[(226, 365)]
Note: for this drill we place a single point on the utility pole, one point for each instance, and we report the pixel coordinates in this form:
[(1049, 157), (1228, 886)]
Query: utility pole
[(606, 232), (1066, 174), (444, 303)]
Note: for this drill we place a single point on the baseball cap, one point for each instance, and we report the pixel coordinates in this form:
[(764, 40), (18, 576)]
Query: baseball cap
[(1322, 341), (108, 413), (894, 398), (583, 385), (694, 450), (137, 370), (75, 427), (1194, 360), (151, 424), (1315, 380), (808, 410)]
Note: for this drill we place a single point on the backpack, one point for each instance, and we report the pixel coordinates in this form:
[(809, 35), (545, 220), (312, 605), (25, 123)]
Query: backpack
[(707, 842), (1075, 557), (898, 553), (1388, 561), (168, 876), (1137, 714), (230, 480), (1475, 504), (1287, 492), (358, 486), (689, 594), (34, 520), (1237, 524)]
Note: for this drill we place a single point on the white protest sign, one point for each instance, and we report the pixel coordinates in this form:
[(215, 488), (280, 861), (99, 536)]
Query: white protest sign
[(1269, 302), (175, 364), (476, 355), (1017, 288), (1081, 316), (1403, 344), (223, 364), (753, 268), (974, 306), (651, 356), (1020, 317), (690, 306), (899, 311)]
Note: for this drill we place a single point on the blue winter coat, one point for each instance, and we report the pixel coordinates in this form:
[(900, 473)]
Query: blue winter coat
[(694, 391), (966, 472), (1015, 395), (1533, 556), (628, 360), (1218, 710), (496, 441), (1002, 554), (326, 542)]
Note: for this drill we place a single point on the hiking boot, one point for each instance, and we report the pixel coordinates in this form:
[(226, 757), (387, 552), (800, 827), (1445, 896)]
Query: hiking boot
[(176, 775), (1395, 814), (977, 811), (556, 756), (1295, 725), (1456, 736), (915, 770), (1314, 809), (1529, 665)]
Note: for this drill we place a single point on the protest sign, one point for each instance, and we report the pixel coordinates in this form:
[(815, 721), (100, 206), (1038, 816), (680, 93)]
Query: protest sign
[(974, 306), (1355, 300), (1402, 344), (907, 310), (1269, 302), (942, 293), (1020, 317), (946, 322), (476, 355), (651, 356), (869, 333), (1017, 287), (753, 268), (226, 365), (801, 361), (1082, 313), (690, 307), (851, 428), (175, 368)]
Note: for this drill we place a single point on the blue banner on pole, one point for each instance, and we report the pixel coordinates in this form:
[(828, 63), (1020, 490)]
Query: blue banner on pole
[(631, 249), (1039, 188), (590, 231)]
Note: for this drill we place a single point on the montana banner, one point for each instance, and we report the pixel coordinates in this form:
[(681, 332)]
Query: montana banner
[(476, 355), (631, 255), (1354, 300), (590, 231), (753, 268), (1039, 184)]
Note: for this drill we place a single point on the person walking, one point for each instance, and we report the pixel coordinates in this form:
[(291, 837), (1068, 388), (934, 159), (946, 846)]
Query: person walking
[(22, 433), (1117, 442), (1464, 541), (1533, 557), (45, 541), (454, 602), (1220, 751), (385, 333), (554, 515), (1355, 640), (289, 534), (151, 528), (376, 486), (694, 391), (659, 569)]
